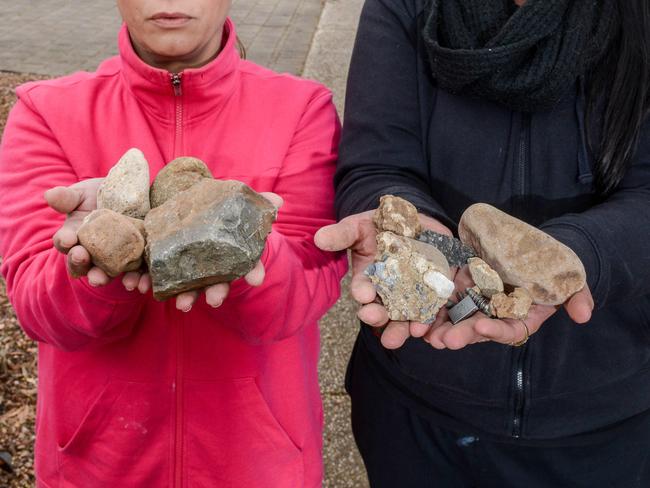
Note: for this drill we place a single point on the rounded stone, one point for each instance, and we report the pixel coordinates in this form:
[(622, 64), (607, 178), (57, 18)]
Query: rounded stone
[(177, 176)]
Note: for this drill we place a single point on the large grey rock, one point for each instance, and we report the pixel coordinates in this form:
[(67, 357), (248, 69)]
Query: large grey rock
[(126, 188), (213, 232), (114, 241), (177, 176), (411, 278), (522, 255)]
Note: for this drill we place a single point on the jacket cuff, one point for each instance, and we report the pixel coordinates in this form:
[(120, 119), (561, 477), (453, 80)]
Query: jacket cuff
[(578, 240)]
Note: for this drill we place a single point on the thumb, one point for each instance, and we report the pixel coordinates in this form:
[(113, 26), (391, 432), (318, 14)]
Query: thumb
[(63, 199), (580, 306), (339, 236)]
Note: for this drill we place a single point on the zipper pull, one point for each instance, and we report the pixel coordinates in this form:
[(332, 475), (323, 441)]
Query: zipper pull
[(176, 84)]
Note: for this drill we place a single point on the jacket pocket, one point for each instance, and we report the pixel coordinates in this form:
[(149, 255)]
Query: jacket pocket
[(232, 438), (123, 439)]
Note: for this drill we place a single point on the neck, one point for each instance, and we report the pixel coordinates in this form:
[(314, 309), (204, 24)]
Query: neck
[(175, 64)]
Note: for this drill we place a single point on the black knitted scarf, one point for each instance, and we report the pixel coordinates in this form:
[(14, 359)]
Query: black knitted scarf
[(525, 58)]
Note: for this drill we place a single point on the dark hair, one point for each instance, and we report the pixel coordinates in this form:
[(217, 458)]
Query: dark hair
[(624, 76)]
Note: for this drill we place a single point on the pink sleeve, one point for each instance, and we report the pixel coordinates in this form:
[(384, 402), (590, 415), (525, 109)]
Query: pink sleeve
[(302, 282), (51, 306)]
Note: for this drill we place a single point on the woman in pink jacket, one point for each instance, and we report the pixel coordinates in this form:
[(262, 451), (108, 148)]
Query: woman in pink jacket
[(138, 393)]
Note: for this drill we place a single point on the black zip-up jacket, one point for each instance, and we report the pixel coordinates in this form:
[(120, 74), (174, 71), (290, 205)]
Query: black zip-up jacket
[(404, 136)]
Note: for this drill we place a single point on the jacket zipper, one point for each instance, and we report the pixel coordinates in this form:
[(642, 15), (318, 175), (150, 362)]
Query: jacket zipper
[(519, 376), (177, 85), (176, 81), (178, 388)]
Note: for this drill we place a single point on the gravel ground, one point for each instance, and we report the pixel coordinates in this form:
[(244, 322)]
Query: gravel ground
[(17, 358)]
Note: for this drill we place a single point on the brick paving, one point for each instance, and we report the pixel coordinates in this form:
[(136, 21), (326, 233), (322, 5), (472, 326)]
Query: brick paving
[(60, 36)]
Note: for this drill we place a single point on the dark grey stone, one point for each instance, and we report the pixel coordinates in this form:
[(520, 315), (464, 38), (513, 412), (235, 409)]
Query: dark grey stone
[(455, 251)]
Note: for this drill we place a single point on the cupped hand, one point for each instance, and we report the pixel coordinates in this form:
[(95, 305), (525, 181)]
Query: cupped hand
[(216, 294), (358, 234), (480, 328)]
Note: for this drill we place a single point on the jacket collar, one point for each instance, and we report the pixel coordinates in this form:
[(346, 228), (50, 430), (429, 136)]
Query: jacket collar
[(203, 90)]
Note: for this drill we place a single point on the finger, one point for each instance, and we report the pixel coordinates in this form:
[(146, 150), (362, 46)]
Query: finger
[(418, 329), (341, 235), (63, 199), (580, 306), (373, 314), (255, 277), (461, 335), (79, 262), (362, 289), (97, 277), (185, 300), (145, 283), (131, 280), (438, 330), (434, 225), (274, 198), (216, 294), (64, 239), (463, 279), (395, 334)]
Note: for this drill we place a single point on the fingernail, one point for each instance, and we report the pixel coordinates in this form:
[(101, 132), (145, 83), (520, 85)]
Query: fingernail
[(217, 305), (129, 288), (186, 309), (93, 284)]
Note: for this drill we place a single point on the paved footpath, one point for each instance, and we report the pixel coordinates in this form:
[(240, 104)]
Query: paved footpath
[(54, 37)]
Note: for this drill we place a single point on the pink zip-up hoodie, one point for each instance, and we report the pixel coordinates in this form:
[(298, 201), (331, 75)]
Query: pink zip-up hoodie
[(132, 392)]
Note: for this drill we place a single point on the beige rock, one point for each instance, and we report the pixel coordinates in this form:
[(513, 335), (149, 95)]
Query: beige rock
[(485, 277), (397, 215), (513, 306), (113, 241), (522, 255), (126, 188), (412, 281), (177, 176)]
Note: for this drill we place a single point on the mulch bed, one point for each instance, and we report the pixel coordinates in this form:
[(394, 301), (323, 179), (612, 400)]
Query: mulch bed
[(17, 359)]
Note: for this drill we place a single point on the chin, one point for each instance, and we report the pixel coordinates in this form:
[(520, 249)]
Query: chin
[(170, 48)]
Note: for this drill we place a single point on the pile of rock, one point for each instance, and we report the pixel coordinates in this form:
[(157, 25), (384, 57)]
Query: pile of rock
[(513, 264), (412, 278), (192, 230)]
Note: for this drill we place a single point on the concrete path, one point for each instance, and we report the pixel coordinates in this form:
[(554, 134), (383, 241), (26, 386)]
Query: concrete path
[(55, 37), (328, 62)]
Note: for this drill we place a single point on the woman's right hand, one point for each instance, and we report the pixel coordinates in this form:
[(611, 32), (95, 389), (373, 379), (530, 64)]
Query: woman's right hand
[(358, 233), (76, 202)]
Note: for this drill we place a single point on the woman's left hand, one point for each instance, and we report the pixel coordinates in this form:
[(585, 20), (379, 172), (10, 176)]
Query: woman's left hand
[(216, 294), (480, 328)]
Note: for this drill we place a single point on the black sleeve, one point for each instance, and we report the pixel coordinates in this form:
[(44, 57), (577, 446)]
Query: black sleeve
[(612, 239), (382, 150)]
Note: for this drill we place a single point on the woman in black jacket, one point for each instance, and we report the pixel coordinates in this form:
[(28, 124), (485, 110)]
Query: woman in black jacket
[(538, 108)]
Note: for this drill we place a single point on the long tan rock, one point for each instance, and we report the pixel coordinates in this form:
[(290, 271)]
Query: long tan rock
[(522, 255), (398, 216), (113, 240), (177, 176), (126, 188)]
